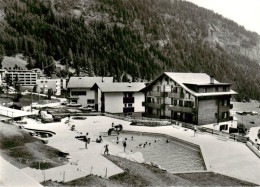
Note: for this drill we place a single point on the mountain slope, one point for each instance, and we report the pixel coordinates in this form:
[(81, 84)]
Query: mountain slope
[(139, 38)]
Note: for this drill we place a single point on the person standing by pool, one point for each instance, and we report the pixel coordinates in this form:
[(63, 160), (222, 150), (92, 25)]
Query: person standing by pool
[(106, 149), (195, 131), (124, 145), (86, 140)]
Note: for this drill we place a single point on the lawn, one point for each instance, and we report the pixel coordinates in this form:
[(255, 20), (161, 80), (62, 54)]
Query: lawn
[(23, 150), (145, 175)]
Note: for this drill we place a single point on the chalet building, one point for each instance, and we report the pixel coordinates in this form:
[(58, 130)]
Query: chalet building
[(194, 98), (80, 89), (119, 98)]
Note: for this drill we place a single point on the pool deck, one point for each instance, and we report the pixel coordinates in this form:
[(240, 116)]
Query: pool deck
[(229, 158)]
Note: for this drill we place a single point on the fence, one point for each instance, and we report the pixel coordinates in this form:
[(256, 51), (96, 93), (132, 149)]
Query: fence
[(134, 119)]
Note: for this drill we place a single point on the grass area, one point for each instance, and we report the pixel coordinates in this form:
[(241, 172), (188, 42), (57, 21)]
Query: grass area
[(213, 179), (136, 174), (26, 100), (23, 150)]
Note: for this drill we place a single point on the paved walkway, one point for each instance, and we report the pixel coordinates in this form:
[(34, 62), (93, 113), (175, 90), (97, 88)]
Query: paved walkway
[(230, 158), (12, 176), (83, 161)]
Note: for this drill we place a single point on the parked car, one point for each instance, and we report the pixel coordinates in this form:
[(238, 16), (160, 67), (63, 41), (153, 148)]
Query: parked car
[(86, 108), (254, 113), (64, 103), (46, 117), (73, 104)]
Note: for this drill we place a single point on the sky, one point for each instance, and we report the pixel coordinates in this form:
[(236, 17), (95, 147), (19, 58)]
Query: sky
[(243, 12)]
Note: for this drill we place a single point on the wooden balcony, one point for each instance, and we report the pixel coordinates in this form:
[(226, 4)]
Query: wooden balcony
[(153, 105), (230, 118), (227, 107), (128, 100), (158, 94), (128, 109), (174, 95), (180, 109)]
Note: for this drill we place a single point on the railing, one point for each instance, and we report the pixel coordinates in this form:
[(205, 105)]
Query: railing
[(128, 109), (250, 144), (156, 94), (180, 109), (128, 100), (174, 95), (153, 105)]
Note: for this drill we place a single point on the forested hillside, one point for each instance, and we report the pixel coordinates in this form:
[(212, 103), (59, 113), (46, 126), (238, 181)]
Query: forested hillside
[(141, 38)]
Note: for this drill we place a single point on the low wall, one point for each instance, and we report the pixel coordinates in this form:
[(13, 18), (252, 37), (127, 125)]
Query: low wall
[(253, 148)]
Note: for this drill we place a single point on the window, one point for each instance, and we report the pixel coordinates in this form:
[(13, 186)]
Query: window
[(175, 102), (128, 94), (76, 93), (224, 115), (159, 112), (223, 127), (216, 89), (128, 105), (158, 100), (158, 88), (91, 101), (181, 103), (224, 89)]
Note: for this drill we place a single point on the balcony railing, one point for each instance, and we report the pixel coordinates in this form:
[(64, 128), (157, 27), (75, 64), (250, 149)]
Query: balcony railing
[(230, 106), (180, 109), (128, 109), (153, 105), (128, 100), (158, 94), (230, 118), (174, 95)]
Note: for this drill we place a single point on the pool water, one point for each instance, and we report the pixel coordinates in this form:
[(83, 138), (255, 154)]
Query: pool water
[(173, 156)]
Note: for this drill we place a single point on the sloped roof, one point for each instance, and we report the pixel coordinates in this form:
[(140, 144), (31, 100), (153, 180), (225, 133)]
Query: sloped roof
[(120, 87), (87, 82), (193, 78), (190, 78)]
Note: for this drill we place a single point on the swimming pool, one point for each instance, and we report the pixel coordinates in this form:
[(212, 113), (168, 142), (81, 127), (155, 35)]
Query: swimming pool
[(174, 156)]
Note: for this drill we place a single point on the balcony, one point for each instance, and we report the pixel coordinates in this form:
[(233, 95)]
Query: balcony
[(128, 100), (230, 118), (153, 105), (174, 95), (158, 94), (227, 107), (180, 109), (128, 109)]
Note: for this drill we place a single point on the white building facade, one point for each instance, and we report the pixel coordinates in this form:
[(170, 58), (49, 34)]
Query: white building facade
[(119, 98), (80, 89), (44, 84), (24, 77)]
